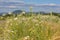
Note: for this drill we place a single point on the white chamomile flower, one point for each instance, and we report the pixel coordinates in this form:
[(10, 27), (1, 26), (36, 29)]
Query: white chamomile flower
[(15, 18), (23, 12), (9, 13), (27, 37)]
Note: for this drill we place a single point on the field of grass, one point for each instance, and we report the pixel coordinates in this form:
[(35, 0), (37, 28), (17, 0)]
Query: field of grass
[(34, 27)]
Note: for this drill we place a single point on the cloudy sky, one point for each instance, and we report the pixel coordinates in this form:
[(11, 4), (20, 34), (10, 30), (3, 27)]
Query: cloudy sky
[(38, 5)]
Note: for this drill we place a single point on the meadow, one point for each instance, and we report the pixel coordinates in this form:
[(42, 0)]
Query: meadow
[(30, 27)]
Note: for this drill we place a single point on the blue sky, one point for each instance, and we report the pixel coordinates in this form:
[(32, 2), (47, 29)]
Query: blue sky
[(38, 5), (34, 1), (42, 1)]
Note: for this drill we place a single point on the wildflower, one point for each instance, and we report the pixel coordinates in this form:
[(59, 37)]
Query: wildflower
[(31, 8), (26, 38), (23, 12), (8, 30), (23, 19), (34, 20), (12, 31), (15, 18), (9, 13)]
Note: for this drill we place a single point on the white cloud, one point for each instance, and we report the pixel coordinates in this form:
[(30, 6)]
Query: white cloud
[(12, 6), (15, 1), (12, 1), (51, 4), (8, 6)]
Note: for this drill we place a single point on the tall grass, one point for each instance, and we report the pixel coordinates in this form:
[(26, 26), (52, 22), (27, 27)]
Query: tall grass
[(35, 27)]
